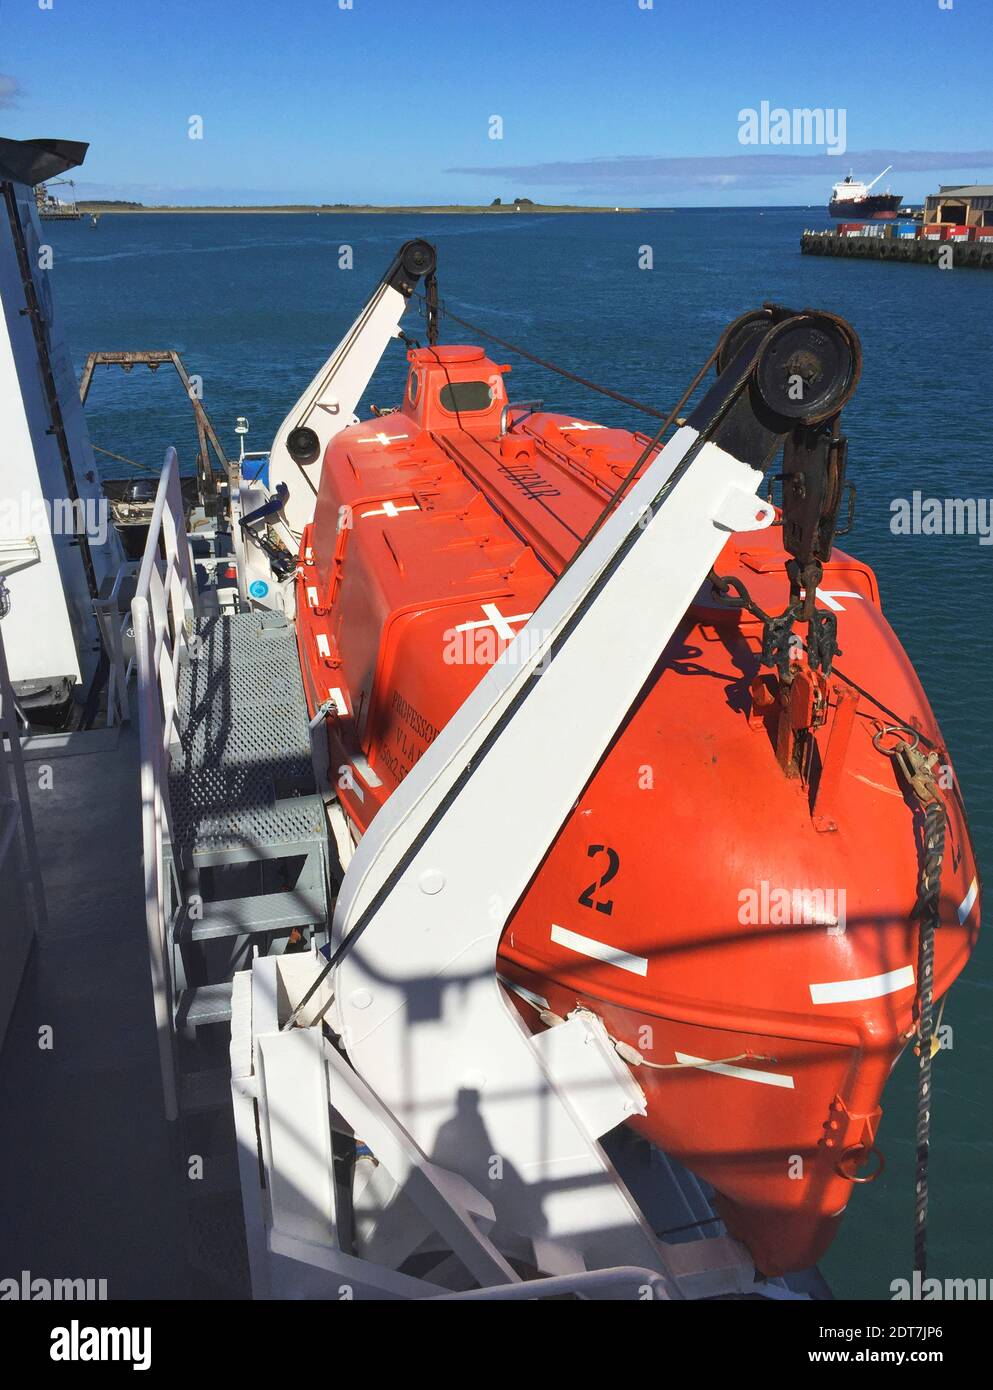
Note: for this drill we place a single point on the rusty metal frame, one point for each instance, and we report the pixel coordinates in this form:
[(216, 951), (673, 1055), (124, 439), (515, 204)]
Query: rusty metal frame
[(206, 434)]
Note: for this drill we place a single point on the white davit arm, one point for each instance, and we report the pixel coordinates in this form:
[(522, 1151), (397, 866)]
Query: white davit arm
[(329, 402), (438, 875), (489, 1137), (419, 1004)]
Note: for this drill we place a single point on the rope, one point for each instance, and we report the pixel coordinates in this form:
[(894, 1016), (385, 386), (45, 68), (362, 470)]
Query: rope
[(916, 768), (632, 1055), (548, 366), (121, 459)]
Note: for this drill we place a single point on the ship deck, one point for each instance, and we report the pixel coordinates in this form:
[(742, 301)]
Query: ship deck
[(93, 1177), (95, 1181)]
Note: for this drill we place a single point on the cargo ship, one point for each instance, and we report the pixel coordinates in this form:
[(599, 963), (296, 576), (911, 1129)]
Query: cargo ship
[(853, 198)]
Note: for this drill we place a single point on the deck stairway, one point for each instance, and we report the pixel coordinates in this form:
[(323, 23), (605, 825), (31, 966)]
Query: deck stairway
[(247, 850), (245, 873)]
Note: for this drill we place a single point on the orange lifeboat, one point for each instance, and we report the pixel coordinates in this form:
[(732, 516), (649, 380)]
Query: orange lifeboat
[(734, 892)]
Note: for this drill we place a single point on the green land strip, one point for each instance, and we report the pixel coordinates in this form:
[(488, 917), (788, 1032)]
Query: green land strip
[(331, 209)]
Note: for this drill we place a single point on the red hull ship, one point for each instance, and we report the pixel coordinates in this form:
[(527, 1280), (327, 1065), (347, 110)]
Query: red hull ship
[(734, 893)]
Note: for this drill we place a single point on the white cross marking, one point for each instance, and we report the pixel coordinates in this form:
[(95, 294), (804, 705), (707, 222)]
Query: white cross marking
[(381, 438), (578, 425), (497, 620), (391, 509), (831, 596)]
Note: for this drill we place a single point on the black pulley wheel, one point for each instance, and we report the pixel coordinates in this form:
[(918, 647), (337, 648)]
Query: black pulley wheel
[(302, 444), (418, 258), (754, 324), (808, 367)]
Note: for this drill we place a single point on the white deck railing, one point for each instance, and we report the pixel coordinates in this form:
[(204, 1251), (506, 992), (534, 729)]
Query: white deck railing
[(163, 610)]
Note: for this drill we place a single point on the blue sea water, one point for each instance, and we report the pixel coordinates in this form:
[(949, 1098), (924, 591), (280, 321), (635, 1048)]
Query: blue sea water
[(255, 303)]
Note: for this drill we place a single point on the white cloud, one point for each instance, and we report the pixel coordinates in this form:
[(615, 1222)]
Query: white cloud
[(10, 90)]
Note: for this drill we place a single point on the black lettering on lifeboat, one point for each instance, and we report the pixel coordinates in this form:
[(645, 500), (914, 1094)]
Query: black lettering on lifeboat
[(529, 481), (419, 726)]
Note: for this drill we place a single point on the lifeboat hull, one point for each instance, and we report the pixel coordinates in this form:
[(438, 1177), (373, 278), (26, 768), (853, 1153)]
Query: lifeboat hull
[(746, 934)]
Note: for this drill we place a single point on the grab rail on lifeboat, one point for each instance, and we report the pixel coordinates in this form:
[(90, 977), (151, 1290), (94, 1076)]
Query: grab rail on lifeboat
[(529, 407)]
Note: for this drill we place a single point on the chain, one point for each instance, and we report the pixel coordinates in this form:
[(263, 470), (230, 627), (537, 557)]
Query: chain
[(777, 632)]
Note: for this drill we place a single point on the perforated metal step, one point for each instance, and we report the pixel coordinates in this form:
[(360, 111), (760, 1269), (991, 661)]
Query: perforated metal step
[(270, 912), (243, 786), (204, 1004)]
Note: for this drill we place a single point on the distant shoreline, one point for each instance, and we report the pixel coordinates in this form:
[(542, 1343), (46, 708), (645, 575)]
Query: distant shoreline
[(453, 209)]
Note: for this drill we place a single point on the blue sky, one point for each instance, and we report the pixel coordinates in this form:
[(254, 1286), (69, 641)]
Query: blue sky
[(602, 101)]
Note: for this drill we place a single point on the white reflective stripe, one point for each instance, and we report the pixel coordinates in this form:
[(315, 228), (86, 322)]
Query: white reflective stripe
[(338, 697), (599, 950), (969, 901), (869, 987), (323, 646), (312, 598), (764, 1078)]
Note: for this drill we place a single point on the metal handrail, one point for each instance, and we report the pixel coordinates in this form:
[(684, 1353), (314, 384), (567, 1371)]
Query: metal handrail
[(163, 610), (113, 625), (529, 407)]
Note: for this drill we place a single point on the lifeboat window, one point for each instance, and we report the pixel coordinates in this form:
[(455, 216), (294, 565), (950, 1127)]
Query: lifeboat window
[(460, 396), (412, 387)]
